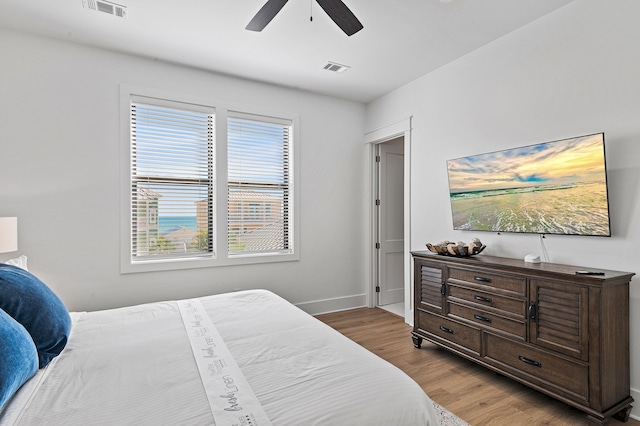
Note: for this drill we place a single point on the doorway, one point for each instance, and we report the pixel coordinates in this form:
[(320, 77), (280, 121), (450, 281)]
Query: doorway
[(390, 229), (399, 130)]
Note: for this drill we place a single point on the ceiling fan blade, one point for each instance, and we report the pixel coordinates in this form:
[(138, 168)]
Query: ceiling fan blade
[(265, 14), (341, 15)]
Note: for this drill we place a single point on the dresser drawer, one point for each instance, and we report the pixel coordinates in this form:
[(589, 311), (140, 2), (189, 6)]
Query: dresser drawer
[(510, 306), (517, 285), (489, 320), (453, 331), (568, 377)]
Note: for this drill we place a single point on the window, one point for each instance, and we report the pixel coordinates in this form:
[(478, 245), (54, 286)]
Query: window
[(195, 199), (258, 182), (171, 181)]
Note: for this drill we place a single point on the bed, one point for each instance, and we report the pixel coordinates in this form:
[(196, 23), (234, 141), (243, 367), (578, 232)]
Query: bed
[(146, 364)]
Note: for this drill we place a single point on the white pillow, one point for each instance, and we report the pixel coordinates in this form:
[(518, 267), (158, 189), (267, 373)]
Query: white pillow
[(20, 262)]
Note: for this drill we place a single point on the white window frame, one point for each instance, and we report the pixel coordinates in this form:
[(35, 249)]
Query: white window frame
[(221, 258)]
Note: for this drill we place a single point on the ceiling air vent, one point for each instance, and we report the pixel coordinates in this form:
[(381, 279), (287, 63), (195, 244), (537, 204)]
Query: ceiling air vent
[(106, 7), (332, 66)]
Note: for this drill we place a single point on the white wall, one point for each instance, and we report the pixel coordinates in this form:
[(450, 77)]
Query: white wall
[(59, 153), (570, 73)]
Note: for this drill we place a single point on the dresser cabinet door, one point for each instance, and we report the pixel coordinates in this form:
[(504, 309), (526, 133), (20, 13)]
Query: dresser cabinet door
[(558, 317), (430, 287)]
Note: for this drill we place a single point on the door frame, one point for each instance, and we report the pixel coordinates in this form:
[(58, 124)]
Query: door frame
[(372, 138)]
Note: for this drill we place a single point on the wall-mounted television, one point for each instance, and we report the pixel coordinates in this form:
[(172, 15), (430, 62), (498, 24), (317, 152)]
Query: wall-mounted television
[(557, 187)]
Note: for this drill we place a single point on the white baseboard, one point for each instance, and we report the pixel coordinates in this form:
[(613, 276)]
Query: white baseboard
[(334, 305)]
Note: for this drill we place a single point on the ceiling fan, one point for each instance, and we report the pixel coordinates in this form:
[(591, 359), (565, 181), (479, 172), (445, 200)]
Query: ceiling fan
[(336, 10)]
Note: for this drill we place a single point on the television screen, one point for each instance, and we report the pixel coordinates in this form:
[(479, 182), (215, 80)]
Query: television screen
[(557, 187)]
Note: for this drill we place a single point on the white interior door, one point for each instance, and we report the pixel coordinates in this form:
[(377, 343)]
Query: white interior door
[(391, 222)]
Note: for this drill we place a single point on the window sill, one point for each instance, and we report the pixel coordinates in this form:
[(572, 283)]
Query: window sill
[(128, 267)]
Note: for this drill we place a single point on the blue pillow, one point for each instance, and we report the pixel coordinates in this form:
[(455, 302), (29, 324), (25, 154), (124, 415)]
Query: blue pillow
[(31, 303), (19, 360)]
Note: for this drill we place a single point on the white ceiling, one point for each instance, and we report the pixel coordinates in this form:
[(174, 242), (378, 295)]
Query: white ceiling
[(401, 40)]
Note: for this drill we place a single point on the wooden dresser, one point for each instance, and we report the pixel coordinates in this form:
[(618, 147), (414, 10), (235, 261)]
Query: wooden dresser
[(563, 334)]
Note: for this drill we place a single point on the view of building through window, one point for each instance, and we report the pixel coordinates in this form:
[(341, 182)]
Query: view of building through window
[(258, 185)]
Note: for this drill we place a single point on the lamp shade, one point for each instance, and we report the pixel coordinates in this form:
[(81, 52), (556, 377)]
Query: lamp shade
[(8, 234)]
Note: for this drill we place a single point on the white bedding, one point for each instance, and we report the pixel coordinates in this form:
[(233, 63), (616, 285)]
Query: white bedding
[(134, 365)]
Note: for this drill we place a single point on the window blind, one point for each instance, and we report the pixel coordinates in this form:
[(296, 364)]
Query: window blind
[(259, 184), (172, 185)]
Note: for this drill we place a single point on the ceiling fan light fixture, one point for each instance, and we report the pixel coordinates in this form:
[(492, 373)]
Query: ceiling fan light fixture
[(332, 66), (336, 9)]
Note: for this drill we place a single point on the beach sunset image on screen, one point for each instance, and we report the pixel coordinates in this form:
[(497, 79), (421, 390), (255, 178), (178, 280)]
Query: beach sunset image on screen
[(555, 187)]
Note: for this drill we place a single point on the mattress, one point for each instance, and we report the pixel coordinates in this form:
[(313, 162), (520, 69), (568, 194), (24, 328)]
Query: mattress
[(135, 365)]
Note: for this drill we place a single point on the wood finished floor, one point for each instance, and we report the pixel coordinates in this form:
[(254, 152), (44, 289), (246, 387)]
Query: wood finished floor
[(470, 391)]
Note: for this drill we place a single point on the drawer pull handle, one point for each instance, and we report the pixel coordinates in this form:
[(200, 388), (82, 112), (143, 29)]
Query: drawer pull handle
[(445, 329), (529, 361), (481, 318), (482, 299), (482, 279), (443, 288), (533, 312)]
